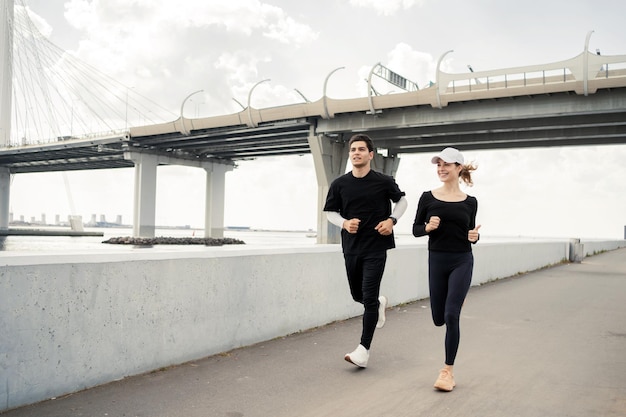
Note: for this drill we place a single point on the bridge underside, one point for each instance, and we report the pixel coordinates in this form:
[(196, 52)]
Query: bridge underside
[(516, 122), (562, 119)]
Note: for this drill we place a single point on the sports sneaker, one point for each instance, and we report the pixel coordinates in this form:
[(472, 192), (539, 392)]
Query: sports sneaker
[(445, 382), (359, 356), (382, 306)]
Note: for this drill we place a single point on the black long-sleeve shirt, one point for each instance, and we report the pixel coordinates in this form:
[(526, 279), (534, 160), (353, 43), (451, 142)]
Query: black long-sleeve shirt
[(368, 199), (457, 219)]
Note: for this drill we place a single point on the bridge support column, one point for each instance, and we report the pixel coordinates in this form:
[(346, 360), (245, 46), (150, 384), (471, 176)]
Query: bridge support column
[(6, 70), (214, 199), (145, 191), (145, 195), (330, 158), (5, 194), (386, 164)]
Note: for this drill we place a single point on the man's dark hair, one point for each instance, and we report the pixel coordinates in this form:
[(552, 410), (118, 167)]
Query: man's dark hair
[(360, 137)]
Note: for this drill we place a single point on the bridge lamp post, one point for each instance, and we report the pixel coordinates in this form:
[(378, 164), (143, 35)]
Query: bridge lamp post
[(586, 64), (241, 105), (252, 124), (197, 109), (306, 100), (326, 114), (437, 75), (185, 131), (369, 90)]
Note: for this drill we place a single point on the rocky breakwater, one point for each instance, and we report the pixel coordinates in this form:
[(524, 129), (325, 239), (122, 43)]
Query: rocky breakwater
[(149, 241)]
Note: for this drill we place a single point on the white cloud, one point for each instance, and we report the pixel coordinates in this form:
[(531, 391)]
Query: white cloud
[(142, 43), (415, 65), (386, 7), (286, 29), (80, 14)]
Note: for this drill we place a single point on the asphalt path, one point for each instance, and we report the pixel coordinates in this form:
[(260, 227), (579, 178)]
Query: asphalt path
[(551, 343)]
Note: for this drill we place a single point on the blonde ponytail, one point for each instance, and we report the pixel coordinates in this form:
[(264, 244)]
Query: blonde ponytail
[(466, 173)]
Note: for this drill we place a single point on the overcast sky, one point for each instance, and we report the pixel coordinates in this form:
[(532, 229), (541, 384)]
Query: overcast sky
[(169, 48)]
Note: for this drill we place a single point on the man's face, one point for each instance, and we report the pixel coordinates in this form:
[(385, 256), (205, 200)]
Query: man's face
[(360, 156)]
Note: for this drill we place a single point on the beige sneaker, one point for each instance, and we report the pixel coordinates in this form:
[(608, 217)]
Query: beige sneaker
[(445, 382)]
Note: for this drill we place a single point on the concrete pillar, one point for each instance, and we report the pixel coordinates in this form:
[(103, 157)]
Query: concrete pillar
[(6, 72), (330, 158), (5, 194), (144, 210), (76, 223), (6, 87), (145, 191), (386, 164), (215, 199)]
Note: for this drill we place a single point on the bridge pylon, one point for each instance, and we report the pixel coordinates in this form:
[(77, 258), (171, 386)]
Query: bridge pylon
[(330, 158), (144, 210)]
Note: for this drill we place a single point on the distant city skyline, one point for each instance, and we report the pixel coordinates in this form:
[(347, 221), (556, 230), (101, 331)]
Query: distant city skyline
[(42, 220)]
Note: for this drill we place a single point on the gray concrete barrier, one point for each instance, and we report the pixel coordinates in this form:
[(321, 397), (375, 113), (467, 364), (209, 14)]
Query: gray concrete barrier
[(70, 322)]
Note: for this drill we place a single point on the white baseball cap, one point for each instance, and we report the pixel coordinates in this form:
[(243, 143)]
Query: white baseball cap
[(449, 155)]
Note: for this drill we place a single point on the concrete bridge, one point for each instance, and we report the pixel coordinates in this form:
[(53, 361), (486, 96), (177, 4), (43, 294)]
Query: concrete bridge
[(580, 101)]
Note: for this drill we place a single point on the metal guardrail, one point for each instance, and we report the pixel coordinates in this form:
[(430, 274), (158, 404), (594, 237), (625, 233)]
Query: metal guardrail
[(564, 71), (86, 137)]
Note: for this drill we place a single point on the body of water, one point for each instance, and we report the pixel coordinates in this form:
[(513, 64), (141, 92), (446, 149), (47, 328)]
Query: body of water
[(95, 243), (252, 238)]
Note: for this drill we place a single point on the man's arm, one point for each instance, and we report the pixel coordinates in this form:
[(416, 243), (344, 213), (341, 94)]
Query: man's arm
[(335, 218), (399, 208)]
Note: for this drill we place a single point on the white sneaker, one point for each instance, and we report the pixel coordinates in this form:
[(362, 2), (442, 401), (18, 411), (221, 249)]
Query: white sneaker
[(359, 356), (381, 311)]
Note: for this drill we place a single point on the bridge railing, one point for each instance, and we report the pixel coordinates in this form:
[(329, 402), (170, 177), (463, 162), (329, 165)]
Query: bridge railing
[(67, 139), (582, 74)]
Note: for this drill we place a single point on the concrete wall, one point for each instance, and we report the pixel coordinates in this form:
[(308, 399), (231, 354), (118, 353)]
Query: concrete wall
[(593, 247), (70, 322)]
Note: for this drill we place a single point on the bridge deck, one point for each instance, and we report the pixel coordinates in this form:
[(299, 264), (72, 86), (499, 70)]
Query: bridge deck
[(580, 101), (548, 343)]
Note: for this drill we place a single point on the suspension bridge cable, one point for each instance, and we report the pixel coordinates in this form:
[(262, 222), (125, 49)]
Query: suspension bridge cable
[(55, 95)]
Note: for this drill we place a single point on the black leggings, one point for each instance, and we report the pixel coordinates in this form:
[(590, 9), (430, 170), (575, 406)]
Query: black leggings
[(365, 272), (449, 279)]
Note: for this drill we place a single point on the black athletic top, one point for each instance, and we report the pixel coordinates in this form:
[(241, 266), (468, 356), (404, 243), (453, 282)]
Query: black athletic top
[(368, 199), (457, 219)]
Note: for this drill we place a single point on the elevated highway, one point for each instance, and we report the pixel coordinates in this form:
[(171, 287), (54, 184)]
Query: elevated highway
[(580, 101), (545, 105)]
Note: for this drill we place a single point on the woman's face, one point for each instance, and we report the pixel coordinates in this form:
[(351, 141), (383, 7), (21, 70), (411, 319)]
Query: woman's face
[(448, 171)]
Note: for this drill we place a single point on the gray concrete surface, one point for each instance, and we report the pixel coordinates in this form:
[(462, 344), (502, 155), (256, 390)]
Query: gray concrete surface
[(548, 343)]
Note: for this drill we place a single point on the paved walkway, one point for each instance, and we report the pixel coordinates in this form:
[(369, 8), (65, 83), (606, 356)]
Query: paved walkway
[(550, 343)]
